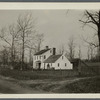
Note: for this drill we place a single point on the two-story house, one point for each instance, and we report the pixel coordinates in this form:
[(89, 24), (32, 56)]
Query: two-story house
[(47, 59), (40, 57)]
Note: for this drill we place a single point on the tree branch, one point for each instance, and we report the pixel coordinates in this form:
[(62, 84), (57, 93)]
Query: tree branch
[(92, 18), (90, 43)]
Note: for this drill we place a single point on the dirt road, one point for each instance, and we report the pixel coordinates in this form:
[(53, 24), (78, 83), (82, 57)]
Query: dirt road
[(9, 85)]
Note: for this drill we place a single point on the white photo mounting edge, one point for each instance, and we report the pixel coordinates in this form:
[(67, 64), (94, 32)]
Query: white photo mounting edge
[(52, 22)]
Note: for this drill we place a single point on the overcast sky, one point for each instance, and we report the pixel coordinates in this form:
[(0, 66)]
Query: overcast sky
[(57, 25)]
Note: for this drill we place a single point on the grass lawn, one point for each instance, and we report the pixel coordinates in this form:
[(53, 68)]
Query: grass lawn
[(93, 64), (56, 81), (91, 85), (6, 90)]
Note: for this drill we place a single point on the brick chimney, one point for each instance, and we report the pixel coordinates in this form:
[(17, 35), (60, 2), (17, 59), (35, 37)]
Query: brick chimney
[(46, 47), (54, 51)]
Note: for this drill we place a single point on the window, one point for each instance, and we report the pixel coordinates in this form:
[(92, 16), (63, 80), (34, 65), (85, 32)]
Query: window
[(65, 64), (58, 64), (40, 57), (51, 64), (37, 57), (62, 57), (44, 57)]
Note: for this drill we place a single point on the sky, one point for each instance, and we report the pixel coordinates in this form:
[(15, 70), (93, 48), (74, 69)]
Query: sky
[(56, 25)]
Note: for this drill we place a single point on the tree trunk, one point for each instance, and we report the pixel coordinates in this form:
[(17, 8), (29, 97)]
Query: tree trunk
[(12, 59), (99, 37), (30, 57), (99, 46), (12, 55), (22, 65)]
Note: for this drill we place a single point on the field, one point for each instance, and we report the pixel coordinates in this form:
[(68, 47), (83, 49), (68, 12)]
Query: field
[(89, 85), (65, 81), (90, 68), (34, 75)]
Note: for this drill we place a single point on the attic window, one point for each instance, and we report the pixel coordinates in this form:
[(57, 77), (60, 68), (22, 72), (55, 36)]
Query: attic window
[(62, 57), (65, 64)]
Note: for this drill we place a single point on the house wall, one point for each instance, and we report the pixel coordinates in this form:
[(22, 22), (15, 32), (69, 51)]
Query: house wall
[(44, 65), (62, 62), (41, 58)]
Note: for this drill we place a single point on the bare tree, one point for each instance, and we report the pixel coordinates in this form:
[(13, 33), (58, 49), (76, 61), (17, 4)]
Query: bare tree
[(88, 53), (39, 38), (4, 56), (79, 52), (24, 25), (91, 51), (93, 18), (9, 36), (71, 48), (61, 49), (35, 44)]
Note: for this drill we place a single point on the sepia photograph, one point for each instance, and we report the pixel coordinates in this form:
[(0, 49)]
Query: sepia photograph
[(49, 51)]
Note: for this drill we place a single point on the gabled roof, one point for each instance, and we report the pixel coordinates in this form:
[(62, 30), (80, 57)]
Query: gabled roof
[(41, 52), (52, 59)]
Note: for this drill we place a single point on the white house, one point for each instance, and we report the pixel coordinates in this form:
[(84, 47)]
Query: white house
[(57, 62), (47, 59), (40, 57)]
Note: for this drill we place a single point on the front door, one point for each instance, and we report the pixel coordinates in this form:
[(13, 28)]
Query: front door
[(48, 66), (39, 65)]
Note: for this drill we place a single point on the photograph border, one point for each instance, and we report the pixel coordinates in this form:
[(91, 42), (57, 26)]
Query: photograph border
[(49, 0), (10, 6)]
